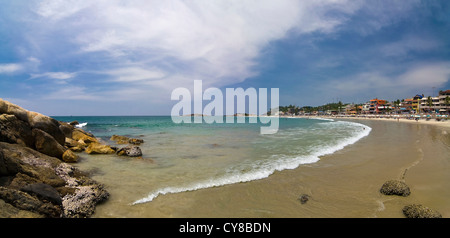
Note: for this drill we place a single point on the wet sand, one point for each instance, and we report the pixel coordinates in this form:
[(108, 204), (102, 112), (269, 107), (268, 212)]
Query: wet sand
[(344, 184)]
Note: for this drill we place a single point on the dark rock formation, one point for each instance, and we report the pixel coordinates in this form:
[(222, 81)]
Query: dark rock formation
[(34, 180), (395, 187), (132, 151), (47, 144), (420, 211)]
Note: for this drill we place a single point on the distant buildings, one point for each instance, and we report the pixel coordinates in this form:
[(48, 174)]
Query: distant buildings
[(414, 105), (439, 104)]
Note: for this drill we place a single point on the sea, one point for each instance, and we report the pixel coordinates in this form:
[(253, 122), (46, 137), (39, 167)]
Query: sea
[(186, 157)]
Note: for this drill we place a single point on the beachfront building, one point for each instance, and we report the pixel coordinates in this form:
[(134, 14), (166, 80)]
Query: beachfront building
[(444, 102), (439, 104), (406, 106), (377, 106)]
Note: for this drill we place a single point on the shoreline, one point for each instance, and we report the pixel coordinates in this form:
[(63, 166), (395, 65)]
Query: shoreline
[(343, 184), (444, 123)]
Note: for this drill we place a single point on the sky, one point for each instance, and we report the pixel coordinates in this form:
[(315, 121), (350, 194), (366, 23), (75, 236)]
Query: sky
[(117, 57)]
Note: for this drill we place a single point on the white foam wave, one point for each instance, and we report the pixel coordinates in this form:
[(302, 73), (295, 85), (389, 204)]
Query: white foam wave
[(81, 125), (267, 168)]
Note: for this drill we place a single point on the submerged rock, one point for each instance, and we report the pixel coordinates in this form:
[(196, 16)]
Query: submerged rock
[(126, 140), (304, 198), (395, 187), (420, 211)]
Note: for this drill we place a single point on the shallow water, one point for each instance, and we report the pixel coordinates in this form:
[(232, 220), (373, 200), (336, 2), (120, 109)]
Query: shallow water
[(179, 158)]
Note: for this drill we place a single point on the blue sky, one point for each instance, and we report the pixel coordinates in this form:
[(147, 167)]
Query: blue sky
[(113, 57)]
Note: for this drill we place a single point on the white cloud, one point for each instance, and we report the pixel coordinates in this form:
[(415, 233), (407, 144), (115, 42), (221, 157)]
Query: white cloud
[(10, 68), (72, 93), (216, 41), (417, 78), (55, 75), (133, 74)]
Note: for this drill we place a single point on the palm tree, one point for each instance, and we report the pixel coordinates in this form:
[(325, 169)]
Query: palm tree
[(430, 102), (340, 106)]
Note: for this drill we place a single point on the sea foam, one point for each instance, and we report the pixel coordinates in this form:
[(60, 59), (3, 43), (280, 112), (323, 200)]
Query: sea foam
[(266, 168), (81, 125)]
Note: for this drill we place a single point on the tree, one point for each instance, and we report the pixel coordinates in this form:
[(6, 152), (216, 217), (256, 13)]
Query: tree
[(340, 106), (430, 102)]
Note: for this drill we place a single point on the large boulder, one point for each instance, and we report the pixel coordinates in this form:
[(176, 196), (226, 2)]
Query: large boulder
[(44, 191), (82, 136), (41, 185), (97, 148), (28, 119), (47, 144), (69, 157), (24, 201), (395, 187), (13, 130), (47, 124), (420, 211)]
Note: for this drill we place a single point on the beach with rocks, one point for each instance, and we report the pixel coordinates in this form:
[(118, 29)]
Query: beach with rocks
[(38, 176)]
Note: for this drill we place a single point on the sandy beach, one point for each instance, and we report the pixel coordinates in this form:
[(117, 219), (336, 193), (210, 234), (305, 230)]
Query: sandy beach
[(343, 184)]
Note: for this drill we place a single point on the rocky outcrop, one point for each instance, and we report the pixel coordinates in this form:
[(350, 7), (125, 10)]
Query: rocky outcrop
[(35, 180), (395, 187), (420, 211), (44, 185)]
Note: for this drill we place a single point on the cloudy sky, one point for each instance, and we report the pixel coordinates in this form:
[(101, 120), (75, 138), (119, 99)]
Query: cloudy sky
[(116, 57)]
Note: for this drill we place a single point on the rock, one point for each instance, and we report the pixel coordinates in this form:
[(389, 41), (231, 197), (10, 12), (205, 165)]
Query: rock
[(120, 139), (420, 211), (97, 148), (46, 144), (9, 211), (303, 198), (22, 168), (47, 124), (82, 136), (66, 129), (69, 157), (82, 203), (13, 130), (136, 141), (74, 123), (8, 166), (24, 201), (132, 151), (44, 191), (126, 140), (71, 143), (395, 187)]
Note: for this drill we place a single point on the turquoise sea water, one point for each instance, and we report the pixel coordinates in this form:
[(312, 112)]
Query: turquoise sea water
[(186, 157)]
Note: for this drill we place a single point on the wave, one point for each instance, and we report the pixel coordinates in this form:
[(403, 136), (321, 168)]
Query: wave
[(265, 169), (81, 125)]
